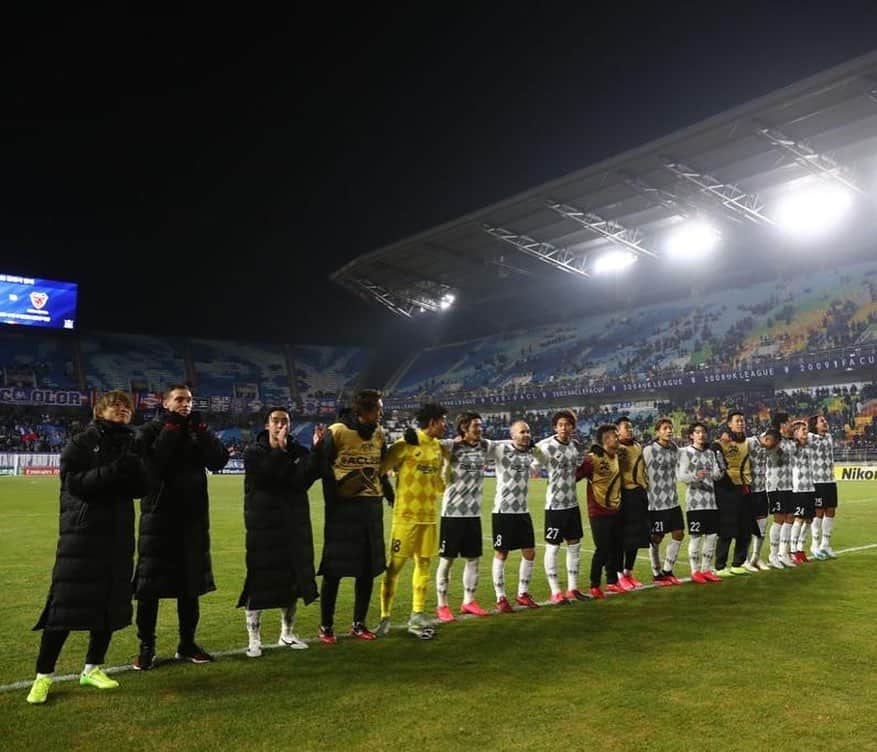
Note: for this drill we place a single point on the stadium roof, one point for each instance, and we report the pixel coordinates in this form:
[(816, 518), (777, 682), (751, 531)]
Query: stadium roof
[(731, 168)]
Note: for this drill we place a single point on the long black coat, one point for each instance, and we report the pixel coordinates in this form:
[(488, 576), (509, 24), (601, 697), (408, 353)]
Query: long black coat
[(280, 541), (353, 532), (174, 543), (91, 579)]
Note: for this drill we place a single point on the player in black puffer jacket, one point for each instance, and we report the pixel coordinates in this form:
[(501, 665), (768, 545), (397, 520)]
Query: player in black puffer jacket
[(174, 543), (101, 474), (280, 541)]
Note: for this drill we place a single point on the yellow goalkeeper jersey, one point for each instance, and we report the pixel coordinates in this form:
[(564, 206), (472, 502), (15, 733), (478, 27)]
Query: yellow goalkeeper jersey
[(420, 485)]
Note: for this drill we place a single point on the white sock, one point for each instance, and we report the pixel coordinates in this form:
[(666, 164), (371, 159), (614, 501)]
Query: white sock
[(254, 625), (287, 621), (470, 580), (709, 552), (827, 527), (775, 530), (498, 569), (89, 667), (655, 556), (525, 574), (786, 538), (573, 552), (551, 567), (44, 676), (671, 553), (796, 533), (815, 530), (755, 546), (694, 544), (442, 575)]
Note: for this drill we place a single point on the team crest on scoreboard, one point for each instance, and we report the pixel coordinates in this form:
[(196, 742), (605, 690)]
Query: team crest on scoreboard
[(38, 299)]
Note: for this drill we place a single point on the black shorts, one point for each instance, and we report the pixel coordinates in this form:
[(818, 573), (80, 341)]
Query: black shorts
[(563, 525), (759, 503), (635, 518), (804, 504), (703, 521), (460, 536), (780, 502), (665, 521), (512, 532), (826, 495)]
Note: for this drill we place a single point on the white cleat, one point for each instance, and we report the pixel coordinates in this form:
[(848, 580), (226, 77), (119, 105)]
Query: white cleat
[(383, 629), (254, 649), (750, 567), (762, 567), (788, 561), (775, 563), (292, 641)]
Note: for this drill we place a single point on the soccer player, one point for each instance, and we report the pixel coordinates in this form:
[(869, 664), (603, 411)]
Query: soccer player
[(825, 485), (779, 485), (760, 448), (634, 502), (460, 529), (803, 489), (414, 534), (733, 497), (91, 580), (665, 514), (698, 467), (512, 524), (561, 455), (354, 524), (279, 540), (601, 467), (174, 542)]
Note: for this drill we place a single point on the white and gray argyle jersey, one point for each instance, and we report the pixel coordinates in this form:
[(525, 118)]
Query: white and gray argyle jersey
[(561, 460), (778, 466), (464, 477), (661, 469), (823, 458), (512, 477), (700, 493), (758, 455), (802, 468)]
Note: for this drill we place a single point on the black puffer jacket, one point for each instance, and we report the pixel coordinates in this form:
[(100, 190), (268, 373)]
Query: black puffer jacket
[(174, 544), (91, 580), (280, 542)]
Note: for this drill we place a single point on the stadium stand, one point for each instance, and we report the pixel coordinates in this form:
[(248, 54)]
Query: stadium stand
[(325, 374), (46, 362), (241, 369), (132, 362)]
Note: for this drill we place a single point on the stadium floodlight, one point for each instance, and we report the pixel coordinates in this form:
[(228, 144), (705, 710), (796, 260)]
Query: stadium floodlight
[(693, 238), (613, 262), (812, 211), (447, 301)]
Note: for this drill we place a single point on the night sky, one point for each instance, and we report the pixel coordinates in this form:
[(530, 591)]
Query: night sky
[(203, 174)]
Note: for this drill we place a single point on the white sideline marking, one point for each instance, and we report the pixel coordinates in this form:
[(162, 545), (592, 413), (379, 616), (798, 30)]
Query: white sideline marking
[(25, 683)]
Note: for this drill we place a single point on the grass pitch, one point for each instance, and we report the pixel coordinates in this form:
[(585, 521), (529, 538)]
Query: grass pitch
[(774, 661)]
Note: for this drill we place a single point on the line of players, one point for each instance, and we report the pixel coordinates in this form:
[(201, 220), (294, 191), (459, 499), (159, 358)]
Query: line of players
[(731, 486)]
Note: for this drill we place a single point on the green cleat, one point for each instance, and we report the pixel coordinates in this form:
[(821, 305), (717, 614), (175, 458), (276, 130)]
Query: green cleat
[(383, 629), (738, 570), (39, 691), (97, 678), (724, 573)]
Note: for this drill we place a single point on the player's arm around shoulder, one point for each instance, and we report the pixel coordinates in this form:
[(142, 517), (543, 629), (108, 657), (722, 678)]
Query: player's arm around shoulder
[(395, 455)]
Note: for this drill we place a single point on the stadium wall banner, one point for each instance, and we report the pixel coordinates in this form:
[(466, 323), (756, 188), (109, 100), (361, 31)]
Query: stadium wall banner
[(866, 361), (30, 396), (855, 472), (21, 462), (39, 470), (234, 466)]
